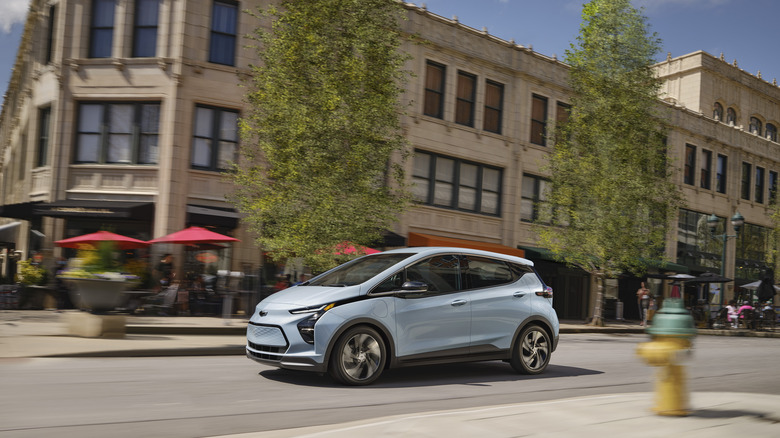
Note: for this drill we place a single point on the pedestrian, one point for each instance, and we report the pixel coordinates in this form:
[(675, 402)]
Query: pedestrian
[(165, 268), (733, 313), (643, 299)]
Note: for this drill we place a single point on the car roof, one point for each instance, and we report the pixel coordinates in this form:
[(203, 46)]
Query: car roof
[(432, 250)]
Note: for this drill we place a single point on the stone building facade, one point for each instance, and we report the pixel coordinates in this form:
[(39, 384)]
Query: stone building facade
[(121, 113)]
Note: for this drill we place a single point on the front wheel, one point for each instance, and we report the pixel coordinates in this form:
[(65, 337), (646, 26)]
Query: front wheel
[(532, 352), (358, 357)]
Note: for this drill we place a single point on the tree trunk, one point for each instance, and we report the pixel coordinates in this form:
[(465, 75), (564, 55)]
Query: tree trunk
[(598, 312)]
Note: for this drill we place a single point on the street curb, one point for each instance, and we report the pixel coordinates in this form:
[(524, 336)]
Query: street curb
[(230, 350)]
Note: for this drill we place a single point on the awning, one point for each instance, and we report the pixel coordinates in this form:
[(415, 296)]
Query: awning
[(535, 253), (97, 209), (23, 210), (419, 239), (198, 215), (8, 232)]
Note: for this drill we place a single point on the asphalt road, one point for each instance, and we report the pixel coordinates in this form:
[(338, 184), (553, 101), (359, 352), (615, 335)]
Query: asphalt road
[(207, 396)]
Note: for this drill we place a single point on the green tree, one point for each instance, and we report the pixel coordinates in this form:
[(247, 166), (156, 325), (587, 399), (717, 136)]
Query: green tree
[(610, 191), (321, 163)]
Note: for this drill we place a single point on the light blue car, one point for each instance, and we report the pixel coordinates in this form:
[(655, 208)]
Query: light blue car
[(409, 306)]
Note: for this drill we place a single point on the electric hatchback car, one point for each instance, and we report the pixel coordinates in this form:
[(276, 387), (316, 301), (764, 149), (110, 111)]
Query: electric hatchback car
[(408, 306)]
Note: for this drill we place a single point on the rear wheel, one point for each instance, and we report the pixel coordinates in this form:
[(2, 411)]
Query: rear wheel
[(532, 352), (358, 357)]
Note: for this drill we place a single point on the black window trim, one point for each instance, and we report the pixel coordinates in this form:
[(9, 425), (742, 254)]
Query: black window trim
[(215, 137)]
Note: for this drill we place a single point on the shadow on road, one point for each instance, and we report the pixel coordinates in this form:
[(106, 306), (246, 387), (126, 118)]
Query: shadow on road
[(482, 373)]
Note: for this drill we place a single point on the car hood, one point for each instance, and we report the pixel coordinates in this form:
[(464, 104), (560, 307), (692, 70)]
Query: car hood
[(307, 296)]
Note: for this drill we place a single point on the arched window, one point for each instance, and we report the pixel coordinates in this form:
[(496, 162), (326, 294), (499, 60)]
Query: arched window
[(731, 117), (755, 126), (771, 132), (717, 112)]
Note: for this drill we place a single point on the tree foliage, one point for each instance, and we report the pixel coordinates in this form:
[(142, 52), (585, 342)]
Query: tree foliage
[(610, 189), (323, 125)]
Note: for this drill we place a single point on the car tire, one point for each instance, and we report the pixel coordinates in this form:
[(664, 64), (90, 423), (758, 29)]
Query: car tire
[(532, 351), (358, 357)]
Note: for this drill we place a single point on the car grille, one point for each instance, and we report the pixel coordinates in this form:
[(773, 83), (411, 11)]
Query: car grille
[(266, 342)]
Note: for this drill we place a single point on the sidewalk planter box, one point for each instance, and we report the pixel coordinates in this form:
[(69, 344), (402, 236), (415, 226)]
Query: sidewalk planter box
[(89, 325), (96, 294)]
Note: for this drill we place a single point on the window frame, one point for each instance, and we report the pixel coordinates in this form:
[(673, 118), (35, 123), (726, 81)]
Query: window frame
[(538, 134), (215, 34), (772, 186), (705, 170), (537, 201), (50, 32), (756, 127), (721, 174), (465, 103), (44, 137), (758, 184), (747, 175), (717, 112), (105, 132), (437, 93), (95, 29), (432, 178), (214, 137), (138, 29), (770, 132), (689, 170), (493, 111)]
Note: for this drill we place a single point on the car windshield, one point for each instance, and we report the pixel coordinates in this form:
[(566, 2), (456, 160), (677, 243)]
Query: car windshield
[(358, 271)]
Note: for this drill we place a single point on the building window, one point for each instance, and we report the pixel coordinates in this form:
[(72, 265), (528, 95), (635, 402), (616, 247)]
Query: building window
[(772, 187), (101, 35), (52, 20), (145, 28), (721, 173), (533, 204), (758, 194), (747, 170), (452, 183), (224, 24), (717, 112), (494, 103), (694, 246), (44, 120), (538, 120), (689, 176), (755, 126), (118, 133), (464, 104), (705, 175), (215, 140), (771, 132), (731, 117), (434, 90), (562, 112)]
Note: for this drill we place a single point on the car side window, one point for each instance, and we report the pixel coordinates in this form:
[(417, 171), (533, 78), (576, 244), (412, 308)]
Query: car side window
[(486, 272), (441, 273), (394, 282), (530, 281)]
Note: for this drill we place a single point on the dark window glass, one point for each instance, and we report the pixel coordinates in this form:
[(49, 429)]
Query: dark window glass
[(44, 120), (689, 176), (771, 132), (145, 29), (755, 126), (118, 133), (706, 169), (731, 116), (434, 90), (758, 194), (451, 183), (215, 139), (747, 170), (717, 112), (441, 273), (102, 29), (464, 104), (224, 24), (494, 102), (772, 186), (484, 272), (533, 202), (562, 112), (722, 174), (538, 120), (50, 34)]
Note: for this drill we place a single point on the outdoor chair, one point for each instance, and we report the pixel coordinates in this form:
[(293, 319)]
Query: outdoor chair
[(747, 319), (768, 319), (163, 301), (721, 320)]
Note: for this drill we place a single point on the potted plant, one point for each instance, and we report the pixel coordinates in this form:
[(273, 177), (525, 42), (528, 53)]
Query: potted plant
[(34, 293), (96, 279)]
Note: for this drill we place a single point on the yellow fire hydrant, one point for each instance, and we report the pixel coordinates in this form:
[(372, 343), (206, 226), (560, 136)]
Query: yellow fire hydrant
[(671, 341)]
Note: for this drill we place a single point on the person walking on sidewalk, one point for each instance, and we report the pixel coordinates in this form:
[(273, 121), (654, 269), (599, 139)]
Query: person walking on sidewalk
[(643, 299)]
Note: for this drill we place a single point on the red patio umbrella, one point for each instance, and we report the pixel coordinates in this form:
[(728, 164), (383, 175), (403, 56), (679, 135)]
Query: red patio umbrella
[(194, 235), (122, 242)]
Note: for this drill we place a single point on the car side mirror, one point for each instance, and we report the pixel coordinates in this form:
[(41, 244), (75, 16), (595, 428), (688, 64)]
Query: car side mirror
[(411, 288)]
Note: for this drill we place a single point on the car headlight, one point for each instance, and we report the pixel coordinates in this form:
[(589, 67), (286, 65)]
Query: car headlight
[(306, 327)]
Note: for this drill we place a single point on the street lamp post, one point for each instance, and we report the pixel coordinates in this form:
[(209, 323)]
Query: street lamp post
[(736, 222)]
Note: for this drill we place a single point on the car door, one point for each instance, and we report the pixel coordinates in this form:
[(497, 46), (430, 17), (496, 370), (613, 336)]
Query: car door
[(501, 298), (437, 322)]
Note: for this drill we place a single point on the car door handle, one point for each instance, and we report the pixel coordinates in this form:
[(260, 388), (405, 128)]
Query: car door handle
[(457, 303), (519, 294)]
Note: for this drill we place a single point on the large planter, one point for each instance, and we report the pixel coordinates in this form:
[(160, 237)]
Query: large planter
[(96, 294)]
